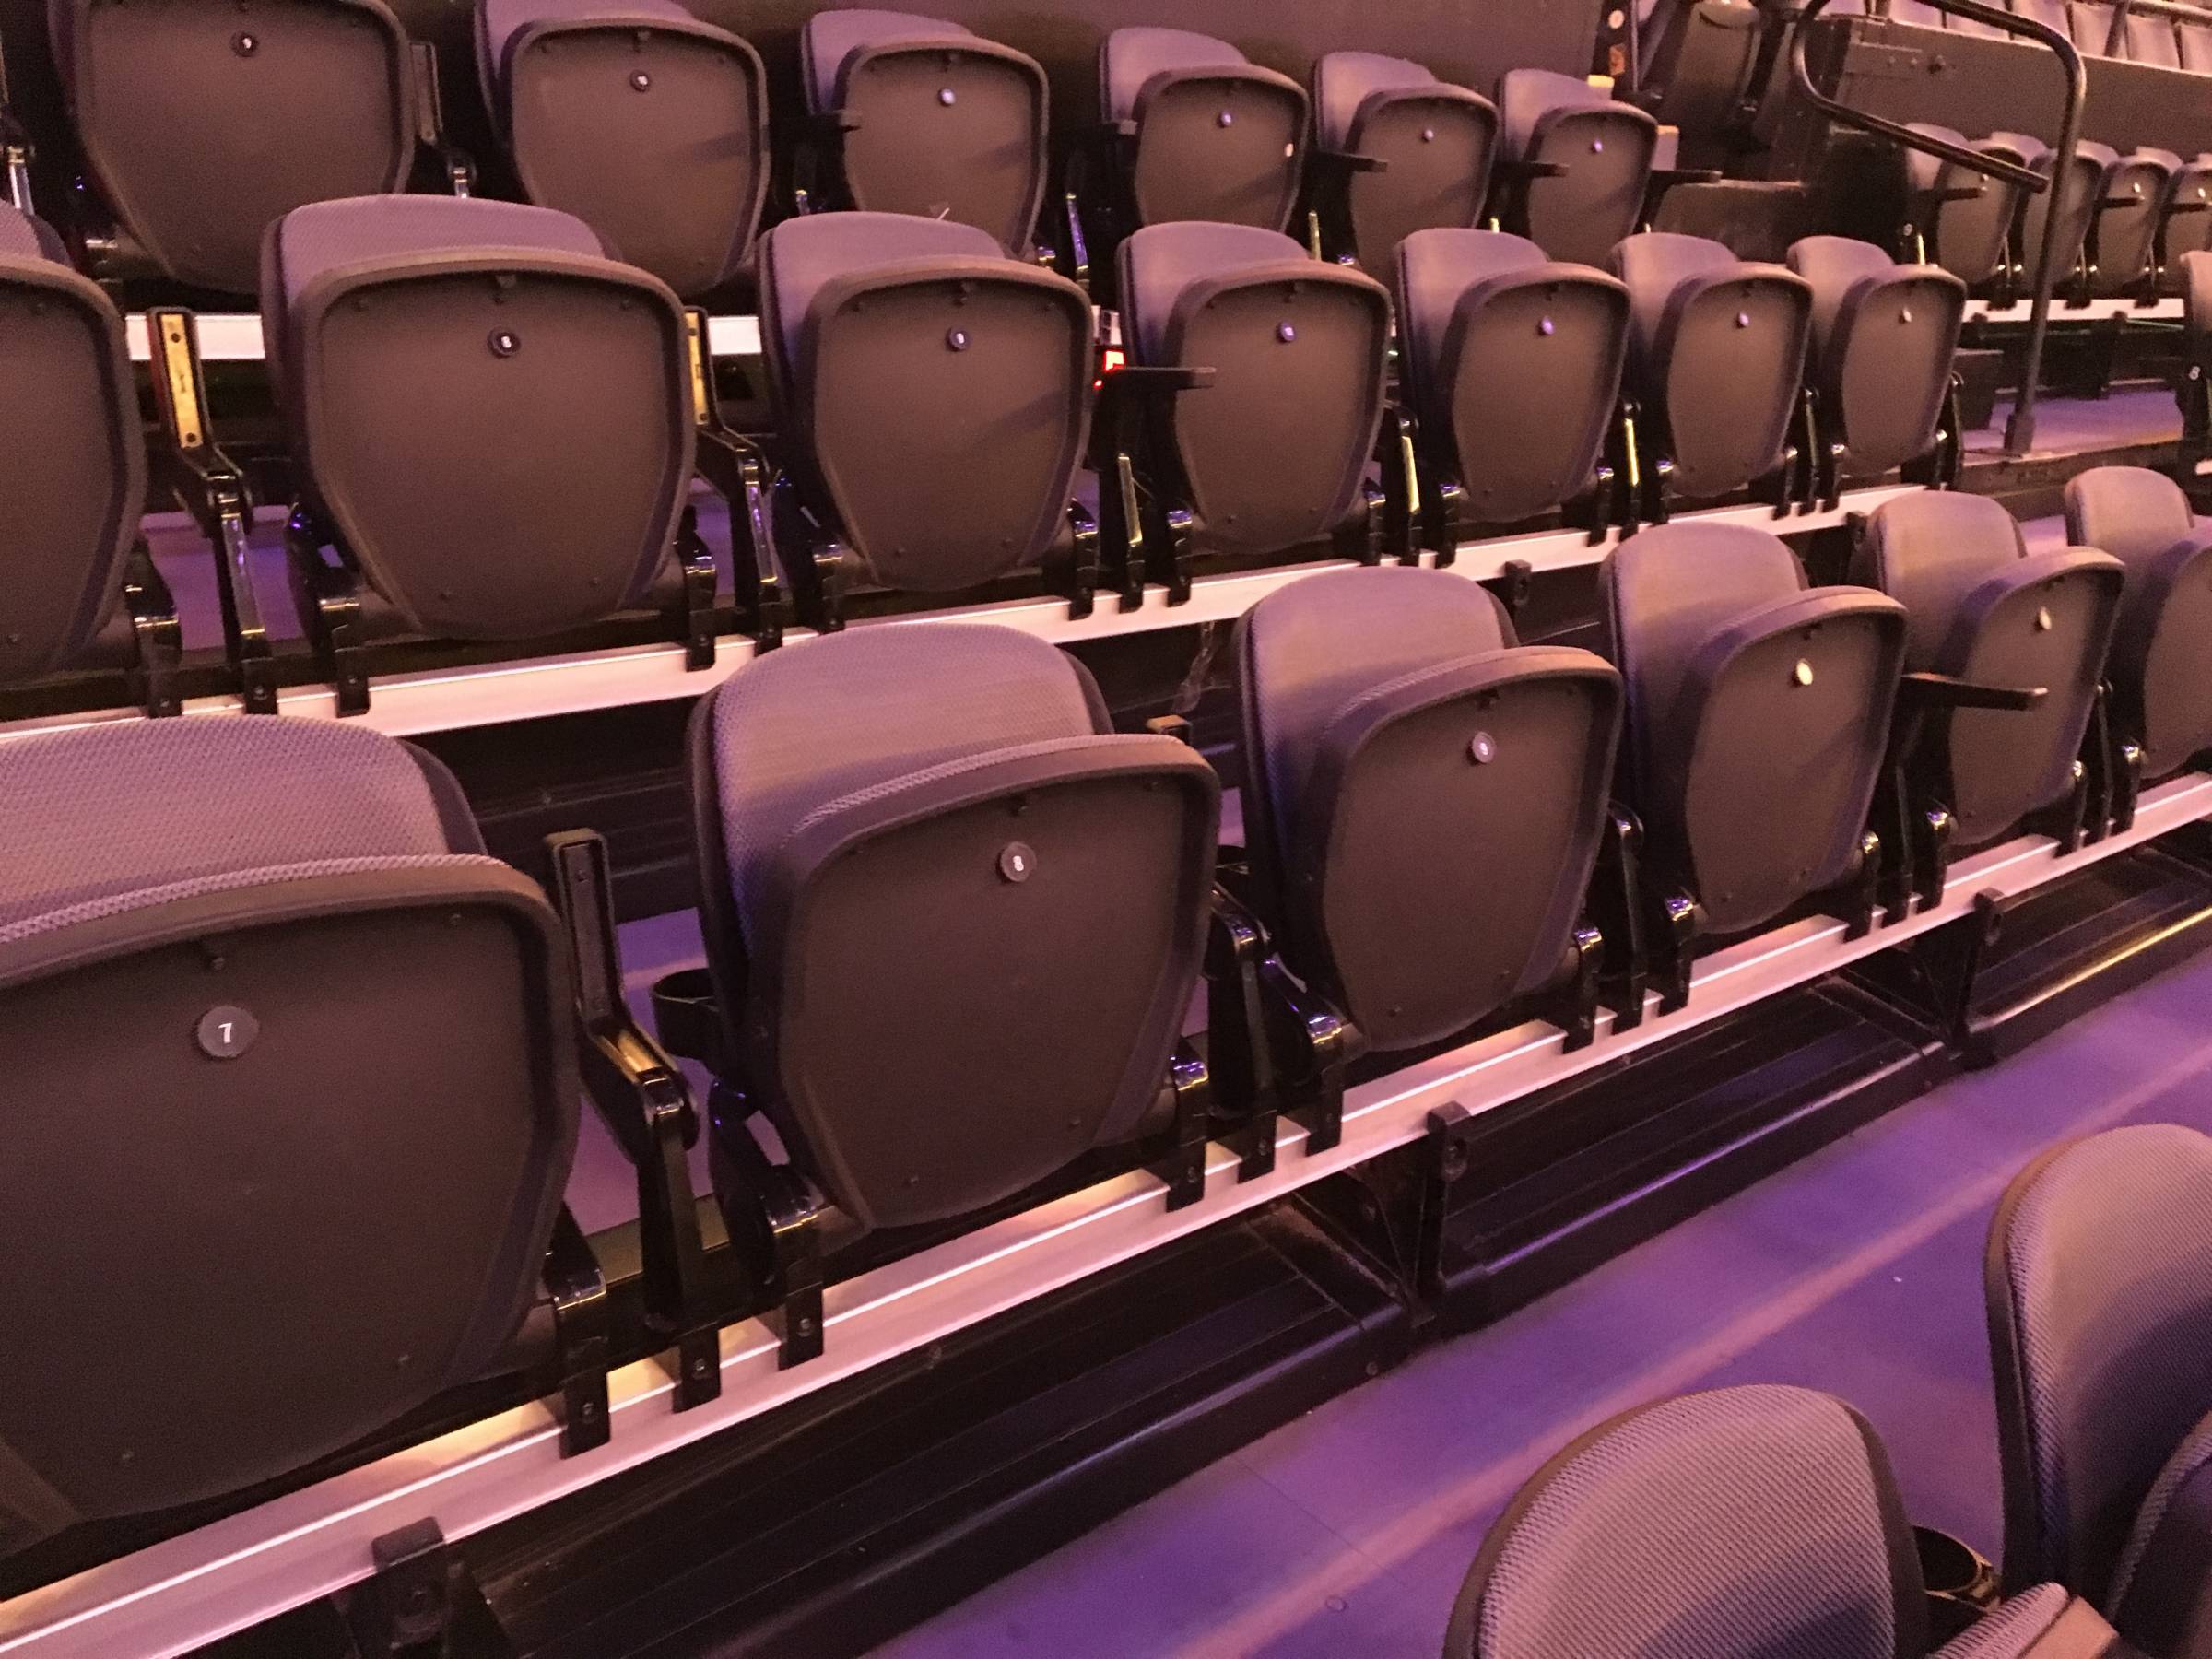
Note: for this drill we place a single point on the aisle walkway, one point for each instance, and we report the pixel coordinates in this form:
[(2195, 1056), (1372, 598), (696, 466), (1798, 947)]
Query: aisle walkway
[(1346, 1533)]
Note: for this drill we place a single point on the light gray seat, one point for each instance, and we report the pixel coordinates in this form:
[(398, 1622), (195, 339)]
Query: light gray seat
[(2099, 1279), (1216, 137), (1750, 1523), (1884, 336), (1434, 142), (1584, 163)]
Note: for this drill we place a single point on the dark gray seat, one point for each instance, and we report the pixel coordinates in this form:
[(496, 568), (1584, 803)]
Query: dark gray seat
[(336, 1102), (1274, 452), (1701, 59), (2185, 218), (1512, 364), (1216, 137), (1751, 1523), (1717, 354), (538, 491), (1987, 611), (1425, 794), (1884, 336), (930, 119), (2081, 190), (2137, 188), (1434, 142), (2162, 698), (932, 393), (81, 590), (201, 126), (1960, 219), (1580, 163), (2099, 1279), (646, 123), (953, 795), (1758, 716)]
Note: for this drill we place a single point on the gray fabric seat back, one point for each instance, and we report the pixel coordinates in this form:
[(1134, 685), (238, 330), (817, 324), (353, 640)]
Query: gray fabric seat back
[(2137, 188), (1883, 337), (2099, 1286), (1756, 1520), (1514, 364), (1604, 147), (335, 1072), (66, 397), (641, 120), (1718, 347), (937, 392), (1983, 608), (943, 123), (2080, 187), (1702, 59), (1275, 451), (540, 489), (954, 795), (200, 128), (1425, 795), (1435, 140), (2186, 226), (1968, 237), (1758, 713), (1217, 136)]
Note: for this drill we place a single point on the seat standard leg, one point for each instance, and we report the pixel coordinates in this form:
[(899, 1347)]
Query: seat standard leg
[(1184, 1169), (156, 634), (579, 1323), (1616, 906), (1573, 1006), (330, 608), (775, 1221)]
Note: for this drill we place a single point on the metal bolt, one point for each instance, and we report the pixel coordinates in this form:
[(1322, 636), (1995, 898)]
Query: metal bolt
[(640, 81), (2043, 620), (245, 45), (1483, 749), (1224, 119), (504, 343), (1743, 319), (1904, 314), (1803, 673), (1428, 135), (1544, 328), (1284, 333), (956, 339), (1598, 146), (1016, 861), (947, 96)]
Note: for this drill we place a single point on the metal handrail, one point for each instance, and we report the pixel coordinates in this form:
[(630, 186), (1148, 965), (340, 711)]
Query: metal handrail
[(2020, 430)]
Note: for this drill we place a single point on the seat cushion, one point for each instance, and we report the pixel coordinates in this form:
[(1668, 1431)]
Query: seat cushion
[(831, 36), (1130, 58)]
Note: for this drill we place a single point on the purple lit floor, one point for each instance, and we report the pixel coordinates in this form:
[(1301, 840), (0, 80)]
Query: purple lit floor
[(1857, 1271)]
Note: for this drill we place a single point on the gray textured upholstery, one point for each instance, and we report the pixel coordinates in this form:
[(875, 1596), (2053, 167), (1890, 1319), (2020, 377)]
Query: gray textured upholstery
[(830, 37), (322, 236), (2129, 511), (1343, 80), (1928, 551), (1655, 265), (2099, 1281), (2013, 1630), (1130, 58), (1161, 263), (1753, 1521), (1526, 96), (2162, 1592), (1435, 269), (499, 21), (23, 237), (801, 255), (236, 794), (1835, 266)]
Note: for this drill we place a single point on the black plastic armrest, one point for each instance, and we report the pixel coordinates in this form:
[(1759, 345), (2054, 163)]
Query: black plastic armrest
[(1348, 161), (1530, 170), (1142, 381), (1956, 192), (830, 126), (1922, 692), (1663, 178), (2190, 206)]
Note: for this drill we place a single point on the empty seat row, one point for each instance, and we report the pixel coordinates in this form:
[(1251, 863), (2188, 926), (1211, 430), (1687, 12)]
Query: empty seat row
[(1761, 1519), (2145, 38)]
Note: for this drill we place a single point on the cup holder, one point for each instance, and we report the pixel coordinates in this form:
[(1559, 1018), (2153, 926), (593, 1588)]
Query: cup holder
[(1962, 1583)]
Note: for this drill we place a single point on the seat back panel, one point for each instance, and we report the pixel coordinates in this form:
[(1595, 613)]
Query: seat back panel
[(1734, 358), (1218, 148), (1438, 144), (947, 134), (1606, 150), (2138, 186), (203, 123), (538, 490), (1894, 370), (672, 174)]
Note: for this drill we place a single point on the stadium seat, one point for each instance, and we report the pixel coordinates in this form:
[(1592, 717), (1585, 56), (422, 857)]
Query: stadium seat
[(2083, 187), (952, 795), (932, 396), (1210, 135), (1393, 724), (646, 123), (2005, 656), (1958, 218), (1717, 360), (1759, 712), (2161, 698), (1577, 164), (540, 490), (2195, 42), (2137, 188), (2098, 1281), (200, 125), (1398, 151), (83, 592), (917, 115), (1512, 366), (336, 1103), (1285, 356), (2185, 220), (1700, 58), (1755, 1522), (1884, 336)]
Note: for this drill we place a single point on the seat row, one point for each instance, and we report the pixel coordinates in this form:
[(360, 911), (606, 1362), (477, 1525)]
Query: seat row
[(308, 989), (546, 486), (595, 103), (1767, 1520)]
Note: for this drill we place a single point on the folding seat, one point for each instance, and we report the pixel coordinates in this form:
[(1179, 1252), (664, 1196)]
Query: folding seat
[(1884, 336), (646, 123), (2151, 40), (538, 491), (1758, 710), (1717, 354), (951, 795), (1577, 164), (2099, 1283), (1700, 61), (2091, 24), (1425, 801), (1208, 133), (932, 394), (2130, 215), (1749, 1522), (2186, 222), (2161, 698), (2195, 42), (200, 123), (1958, 219), (1512, 366), (83, 592), (918, 115), (1284, 356), (2084, 189), (1398, 152), (1986, 615), (328, 1048)]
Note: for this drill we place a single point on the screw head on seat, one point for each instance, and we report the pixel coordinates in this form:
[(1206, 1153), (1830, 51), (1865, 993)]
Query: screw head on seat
[(1802, 674)]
